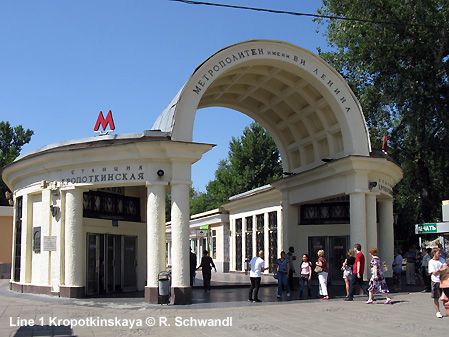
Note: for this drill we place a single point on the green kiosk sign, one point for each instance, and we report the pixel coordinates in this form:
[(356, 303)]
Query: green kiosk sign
[(426, 228)]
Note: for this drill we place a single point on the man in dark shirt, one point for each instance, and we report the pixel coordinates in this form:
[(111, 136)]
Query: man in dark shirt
[(291, 258), (206, 267)]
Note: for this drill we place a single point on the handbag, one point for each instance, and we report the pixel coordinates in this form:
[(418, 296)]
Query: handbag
[(318, 269), (384, 267)]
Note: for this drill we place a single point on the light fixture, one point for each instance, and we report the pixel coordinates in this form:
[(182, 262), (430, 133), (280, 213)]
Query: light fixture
[(54, 210), (160, 173), (372, 184), (9, 197)]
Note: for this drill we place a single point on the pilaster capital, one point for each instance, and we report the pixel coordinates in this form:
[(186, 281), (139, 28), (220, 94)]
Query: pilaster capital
[(181, 182), (156, 183), (73, 188), (375, 193), (360, 191)]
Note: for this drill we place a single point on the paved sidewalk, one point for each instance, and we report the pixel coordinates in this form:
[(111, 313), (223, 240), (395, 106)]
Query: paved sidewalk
[(225, 308)]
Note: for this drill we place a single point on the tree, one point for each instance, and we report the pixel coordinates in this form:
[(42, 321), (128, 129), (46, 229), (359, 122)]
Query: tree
[(253, 161), (395, 58), (11, 141)]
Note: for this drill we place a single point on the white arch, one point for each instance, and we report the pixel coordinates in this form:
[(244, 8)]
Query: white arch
[(303, 103)]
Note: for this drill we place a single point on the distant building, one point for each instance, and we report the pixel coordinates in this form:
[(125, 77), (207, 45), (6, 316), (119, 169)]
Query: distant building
[(6, 226), (208, 231)]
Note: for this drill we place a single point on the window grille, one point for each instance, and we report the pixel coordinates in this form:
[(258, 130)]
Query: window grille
[(249, 239), (238, 244), (329, 213), (273, 239), (18, 239), (111, 206)]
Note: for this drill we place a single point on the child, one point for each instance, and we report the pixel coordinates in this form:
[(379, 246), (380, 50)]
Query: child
[(436, 266)]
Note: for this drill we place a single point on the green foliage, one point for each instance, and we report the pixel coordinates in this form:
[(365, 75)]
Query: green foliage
[(11, 141), (253, 161), (397, 65)]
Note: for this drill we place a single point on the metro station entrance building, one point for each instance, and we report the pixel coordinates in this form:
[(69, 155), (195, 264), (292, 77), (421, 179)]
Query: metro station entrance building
[(90, 213)]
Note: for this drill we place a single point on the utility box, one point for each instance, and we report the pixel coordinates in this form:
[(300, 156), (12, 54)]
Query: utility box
[(164, 287)]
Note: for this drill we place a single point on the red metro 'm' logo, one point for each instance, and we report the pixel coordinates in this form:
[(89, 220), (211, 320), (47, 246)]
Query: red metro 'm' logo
[(104, 123)]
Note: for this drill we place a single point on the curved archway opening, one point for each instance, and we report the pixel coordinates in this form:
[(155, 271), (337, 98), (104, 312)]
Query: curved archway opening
[(293, 111)]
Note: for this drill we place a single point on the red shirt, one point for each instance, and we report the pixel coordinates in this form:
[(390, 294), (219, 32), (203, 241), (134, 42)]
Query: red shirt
[(359, 258)]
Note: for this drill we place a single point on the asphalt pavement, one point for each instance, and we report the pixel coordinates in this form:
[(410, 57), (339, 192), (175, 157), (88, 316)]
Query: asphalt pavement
[(224, 311)]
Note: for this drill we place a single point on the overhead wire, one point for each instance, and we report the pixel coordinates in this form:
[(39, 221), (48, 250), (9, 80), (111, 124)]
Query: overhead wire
[(191, 2)]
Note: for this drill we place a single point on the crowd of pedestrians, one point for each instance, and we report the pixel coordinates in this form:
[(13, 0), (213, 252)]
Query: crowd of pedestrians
[(428, 266)]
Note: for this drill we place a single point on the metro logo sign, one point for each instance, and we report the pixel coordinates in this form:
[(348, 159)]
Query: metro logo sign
[(104, 123)]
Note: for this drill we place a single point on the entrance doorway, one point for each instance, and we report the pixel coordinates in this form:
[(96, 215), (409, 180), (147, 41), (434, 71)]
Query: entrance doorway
[(111, 263), (335, 248)]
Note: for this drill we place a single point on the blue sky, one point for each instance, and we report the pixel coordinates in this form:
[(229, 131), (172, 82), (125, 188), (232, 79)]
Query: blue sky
[(61, 62)]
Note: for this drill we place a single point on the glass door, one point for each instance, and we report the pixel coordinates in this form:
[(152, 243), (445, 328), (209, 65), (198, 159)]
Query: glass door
[(129, 265), (335, 248), (93, 264), (338, 246), (110, 263), (315, 244)]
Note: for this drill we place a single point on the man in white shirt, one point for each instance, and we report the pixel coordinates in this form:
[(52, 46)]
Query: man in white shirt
[(257, 266), (436, 265)]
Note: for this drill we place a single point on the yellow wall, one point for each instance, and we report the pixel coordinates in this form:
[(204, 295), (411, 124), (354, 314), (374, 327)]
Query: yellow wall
[(6, 239)]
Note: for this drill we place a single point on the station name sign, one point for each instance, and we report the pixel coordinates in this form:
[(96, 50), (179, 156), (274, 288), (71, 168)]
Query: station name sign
[(114, 174), (385, 186)]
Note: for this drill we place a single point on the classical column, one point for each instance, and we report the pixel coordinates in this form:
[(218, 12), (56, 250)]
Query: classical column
[(288, 228), (181, 290), (46, 264), (73, 244), (155, 238), (226, 245), (386, 234), (358, 223), (371, 222)]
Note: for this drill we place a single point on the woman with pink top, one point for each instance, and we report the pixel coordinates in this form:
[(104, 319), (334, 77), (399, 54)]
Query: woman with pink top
[(306, 275)]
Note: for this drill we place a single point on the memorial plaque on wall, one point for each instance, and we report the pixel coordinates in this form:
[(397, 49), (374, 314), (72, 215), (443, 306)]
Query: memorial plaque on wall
[(49, 244)]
